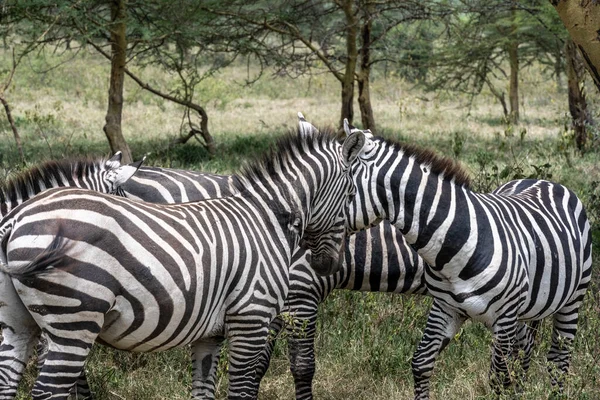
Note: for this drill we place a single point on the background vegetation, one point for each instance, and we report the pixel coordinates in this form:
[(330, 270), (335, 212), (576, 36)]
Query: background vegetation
[(419, 93)]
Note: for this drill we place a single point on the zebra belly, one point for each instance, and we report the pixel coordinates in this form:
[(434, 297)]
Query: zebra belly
[(120, 318), (468, 298)]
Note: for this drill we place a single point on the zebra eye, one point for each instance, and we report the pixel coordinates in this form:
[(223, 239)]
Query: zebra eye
[(351, 193)]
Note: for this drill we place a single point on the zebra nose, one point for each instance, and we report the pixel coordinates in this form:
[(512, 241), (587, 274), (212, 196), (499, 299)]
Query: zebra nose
[(325, 263), (303, 244)]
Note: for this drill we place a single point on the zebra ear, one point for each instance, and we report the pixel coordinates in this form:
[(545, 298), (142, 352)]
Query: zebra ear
[(114, 161), (305, 128), (119, 176), (353, 145), (349, 129)]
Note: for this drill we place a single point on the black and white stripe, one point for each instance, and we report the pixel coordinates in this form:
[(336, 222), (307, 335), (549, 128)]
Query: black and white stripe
[(146, 277), (95, 174), (521, 253), (102, 175)]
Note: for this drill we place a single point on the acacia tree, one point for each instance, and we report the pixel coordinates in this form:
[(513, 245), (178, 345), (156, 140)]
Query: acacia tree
[(298, 37), (158, 32), (485, 37)]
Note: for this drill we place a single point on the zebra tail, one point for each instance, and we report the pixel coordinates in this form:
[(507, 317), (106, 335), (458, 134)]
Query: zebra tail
[(5, 230), (42, 262)]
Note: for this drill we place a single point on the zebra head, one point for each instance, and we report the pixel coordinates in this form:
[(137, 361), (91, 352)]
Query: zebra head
[(325, 231)]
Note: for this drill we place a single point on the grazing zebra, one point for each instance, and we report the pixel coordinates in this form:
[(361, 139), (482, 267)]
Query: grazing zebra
[(147, 277), (96, 174), (521, 253)]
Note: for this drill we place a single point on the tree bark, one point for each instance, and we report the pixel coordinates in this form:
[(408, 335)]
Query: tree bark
[(114, 114), (580, 115), (352, 54), (582, 20), (364, 74), (513, 58)]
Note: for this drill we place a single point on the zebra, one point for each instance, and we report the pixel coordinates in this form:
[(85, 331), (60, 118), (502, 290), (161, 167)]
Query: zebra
[(98, 174), (101, 175), (375, 260), (104, 175), (89, 267), (520, 253)]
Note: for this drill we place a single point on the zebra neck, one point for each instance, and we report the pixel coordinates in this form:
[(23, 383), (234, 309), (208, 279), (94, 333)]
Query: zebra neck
[(13, 195), (434, 214), (285, 205)]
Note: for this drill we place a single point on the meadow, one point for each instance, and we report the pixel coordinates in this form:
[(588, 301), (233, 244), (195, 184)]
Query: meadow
[(365, 340)]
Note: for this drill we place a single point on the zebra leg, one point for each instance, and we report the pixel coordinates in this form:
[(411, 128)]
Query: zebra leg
[(245, 346), (64, 364), (81, 391), (525, 340), (205, 359), (563, 334), (504, 339), (19, 336), (442, 324), (265, 356), (301, 344)]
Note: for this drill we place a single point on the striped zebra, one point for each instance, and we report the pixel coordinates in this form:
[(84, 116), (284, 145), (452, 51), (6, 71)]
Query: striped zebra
[(521, 253), (90, 267), (101, 175)]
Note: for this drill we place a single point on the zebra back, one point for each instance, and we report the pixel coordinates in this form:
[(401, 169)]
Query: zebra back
[(97, 174), (166, 185)]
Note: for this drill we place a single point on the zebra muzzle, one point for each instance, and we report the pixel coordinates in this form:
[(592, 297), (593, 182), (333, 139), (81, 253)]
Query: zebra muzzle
[(327, 262)]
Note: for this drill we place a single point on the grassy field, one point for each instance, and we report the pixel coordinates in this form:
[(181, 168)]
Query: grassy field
[(365, 341)]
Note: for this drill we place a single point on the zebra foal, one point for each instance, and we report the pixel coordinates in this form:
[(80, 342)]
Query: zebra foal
[(521, 253), (101, 175), (147, 277)]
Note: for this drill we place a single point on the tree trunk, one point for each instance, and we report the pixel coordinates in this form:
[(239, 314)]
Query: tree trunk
[(364, 75), (513, 58), (208, 139), (580, 115), (582, 20), (352, 55), (118, 40)]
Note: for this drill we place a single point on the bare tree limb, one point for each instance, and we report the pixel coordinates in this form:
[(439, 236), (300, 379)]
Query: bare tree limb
[(204, 132)]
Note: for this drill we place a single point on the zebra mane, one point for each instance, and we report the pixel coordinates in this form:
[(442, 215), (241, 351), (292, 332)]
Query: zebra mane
[(286, 147), (51, 173), (438, 164)]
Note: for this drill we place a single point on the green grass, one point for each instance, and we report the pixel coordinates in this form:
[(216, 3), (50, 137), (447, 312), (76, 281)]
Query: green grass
[(365, 340)]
